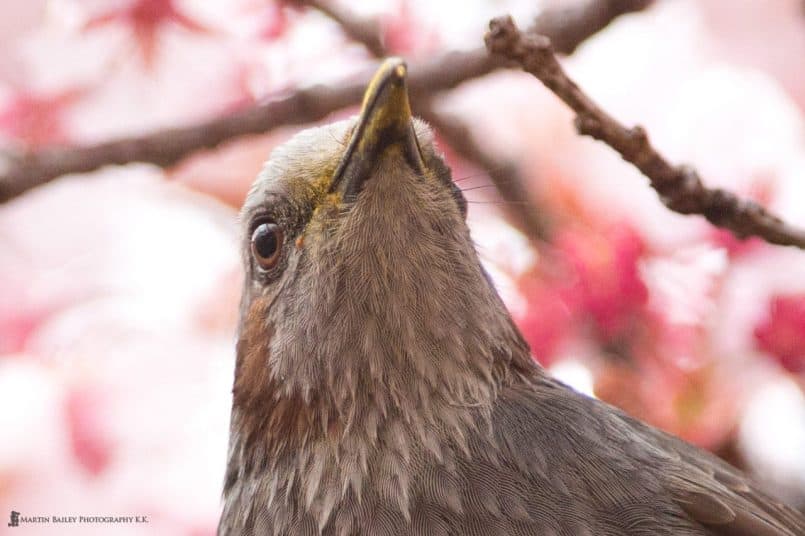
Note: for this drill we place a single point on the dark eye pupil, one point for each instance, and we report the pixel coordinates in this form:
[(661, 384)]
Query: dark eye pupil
[(266, 244), (265, 240)]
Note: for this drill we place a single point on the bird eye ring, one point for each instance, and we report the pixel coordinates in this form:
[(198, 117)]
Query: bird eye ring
[(267, 244)]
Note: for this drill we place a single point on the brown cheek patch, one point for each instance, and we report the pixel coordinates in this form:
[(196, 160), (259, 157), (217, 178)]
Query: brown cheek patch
[(253, 348), (267, 412)]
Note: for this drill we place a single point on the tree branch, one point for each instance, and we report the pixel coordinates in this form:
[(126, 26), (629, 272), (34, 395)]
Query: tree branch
[(679, 187), (167, 147)]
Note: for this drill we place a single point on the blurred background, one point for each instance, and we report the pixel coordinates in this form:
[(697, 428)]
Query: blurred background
[(119, 286)]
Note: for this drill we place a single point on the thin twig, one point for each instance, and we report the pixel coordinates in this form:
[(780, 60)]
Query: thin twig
[(679, 187)]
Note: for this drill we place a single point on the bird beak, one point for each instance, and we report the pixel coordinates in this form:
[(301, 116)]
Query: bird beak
[(385, 123)]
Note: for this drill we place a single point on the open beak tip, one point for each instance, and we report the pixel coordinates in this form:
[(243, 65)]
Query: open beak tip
[(386, 105), (395, 65), (400, 71), (385, 120), (393, 70)]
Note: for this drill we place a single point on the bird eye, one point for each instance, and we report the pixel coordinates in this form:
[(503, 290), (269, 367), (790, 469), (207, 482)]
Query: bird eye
[(267, 244)]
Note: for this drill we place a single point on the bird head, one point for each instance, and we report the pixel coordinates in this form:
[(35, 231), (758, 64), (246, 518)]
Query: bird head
[(362, 283)]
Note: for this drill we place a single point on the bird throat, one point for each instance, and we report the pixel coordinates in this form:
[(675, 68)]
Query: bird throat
[(399, 342)]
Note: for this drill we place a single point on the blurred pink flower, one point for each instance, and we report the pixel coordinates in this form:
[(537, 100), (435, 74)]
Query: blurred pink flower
[(274, 21), (89, 440), (146, 18), (38, 119), (227, 174), (781, 333), (16, 328), (736, 247), (239, 94), (405, 33), (22, 314), (547, 322), (605, 281), (696, 405)]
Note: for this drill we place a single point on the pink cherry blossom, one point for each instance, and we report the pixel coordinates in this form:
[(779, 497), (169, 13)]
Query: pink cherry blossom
[(781, 332), (146, 19)]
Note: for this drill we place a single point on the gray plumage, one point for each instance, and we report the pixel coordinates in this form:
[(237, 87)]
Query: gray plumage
[(382, 388)]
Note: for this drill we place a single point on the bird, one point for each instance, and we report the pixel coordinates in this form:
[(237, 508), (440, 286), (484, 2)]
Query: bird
[(382, 388)]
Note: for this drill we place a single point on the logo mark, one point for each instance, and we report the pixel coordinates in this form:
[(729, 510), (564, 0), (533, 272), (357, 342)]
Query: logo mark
[(15, 519)]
